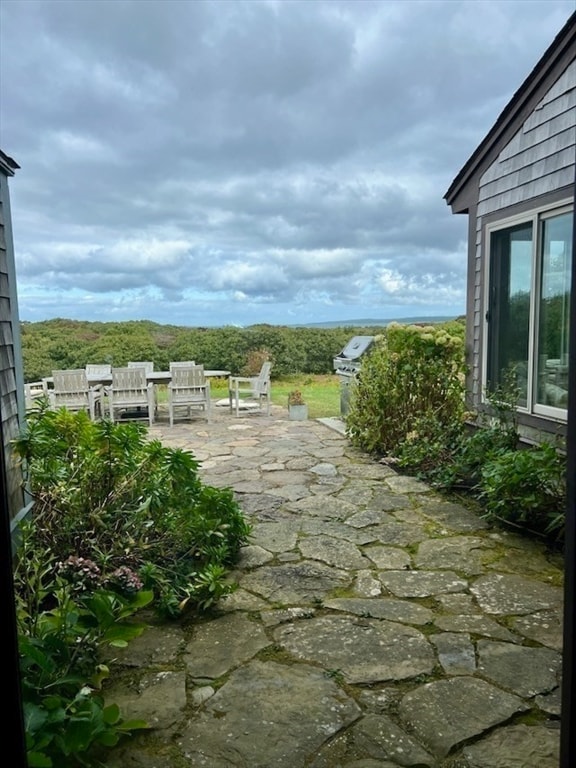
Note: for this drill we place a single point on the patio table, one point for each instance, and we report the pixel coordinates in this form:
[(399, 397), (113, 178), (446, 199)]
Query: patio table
[(155, 377)]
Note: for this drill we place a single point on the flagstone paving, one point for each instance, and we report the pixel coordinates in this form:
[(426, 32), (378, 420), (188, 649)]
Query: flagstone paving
[(375, 623)]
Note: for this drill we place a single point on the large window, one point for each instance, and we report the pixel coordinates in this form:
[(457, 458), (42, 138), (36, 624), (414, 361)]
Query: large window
[(528, 310)]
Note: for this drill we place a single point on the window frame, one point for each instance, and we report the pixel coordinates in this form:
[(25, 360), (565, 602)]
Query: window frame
[(535, 217)]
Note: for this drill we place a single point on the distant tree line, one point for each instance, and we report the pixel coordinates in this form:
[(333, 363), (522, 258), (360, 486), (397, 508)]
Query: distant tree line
[(60, 344)]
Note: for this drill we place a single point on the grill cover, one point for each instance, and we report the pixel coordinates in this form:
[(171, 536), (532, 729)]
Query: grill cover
[(348, 361), (356, 347)]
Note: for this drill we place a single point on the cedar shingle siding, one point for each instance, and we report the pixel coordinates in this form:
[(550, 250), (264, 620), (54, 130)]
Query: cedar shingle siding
[(10, 353), (526, 161)]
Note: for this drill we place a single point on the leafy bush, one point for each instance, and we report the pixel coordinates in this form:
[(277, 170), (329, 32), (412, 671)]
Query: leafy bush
[(527, 488), (106, 493), (115, 514), (412, 381), (66, 611), (451, 454)]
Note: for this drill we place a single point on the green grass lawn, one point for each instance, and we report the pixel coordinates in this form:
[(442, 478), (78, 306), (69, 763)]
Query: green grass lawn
[(321, 393)]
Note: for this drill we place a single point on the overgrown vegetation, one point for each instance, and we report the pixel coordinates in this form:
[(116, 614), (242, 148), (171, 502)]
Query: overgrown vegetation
[(105, 492), (120, 521), (410, 384), (66, 612), (58, 344), (408, 404)]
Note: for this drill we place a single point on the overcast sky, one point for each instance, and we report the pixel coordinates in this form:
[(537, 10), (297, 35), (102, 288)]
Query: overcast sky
[(232, 162)]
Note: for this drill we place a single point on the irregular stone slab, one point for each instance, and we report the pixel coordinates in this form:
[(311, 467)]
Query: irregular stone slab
[(454, 517), (249, 448), (458, 553), (388, 558), (369, 763), (517, 746), (252, 556), (156, 645), (445, 713), (341, 554), (365, 585), (510, 594), (383, 608), (268, 716), (379, 701), (160, 699), (380, 738), (304, 582), (546, 627), (241, 600), (363, 650), (455, 653), (525, 557), (474, 624), (369, 517), (421, 583), (526, 671), (385, 500), (458, 603), (409, 515), (238, 477), (398, 533), (222, 644), (283, 616), (325, 484), (202, 694), (405, 484), (301, 463), (551, 702), (290, 492), (339, 530), (357, 494), (341, 753), (286, 477), (260, 505), (276, 537), (250, 486), (324, 469), (318, 506), (276, 467), (329, 452), (288, 557), (368, 471)]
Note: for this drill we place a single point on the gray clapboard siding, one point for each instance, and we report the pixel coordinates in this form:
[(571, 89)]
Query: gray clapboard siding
[(538, 159), (10, 352)]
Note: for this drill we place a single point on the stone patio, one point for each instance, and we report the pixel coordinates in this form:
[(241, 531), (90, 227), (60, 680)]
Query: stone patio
[(375, 623)]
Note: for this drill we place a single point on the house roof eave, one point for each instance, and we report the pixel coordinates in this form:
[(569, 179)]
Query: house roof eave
[(7, 164), (563, 45)]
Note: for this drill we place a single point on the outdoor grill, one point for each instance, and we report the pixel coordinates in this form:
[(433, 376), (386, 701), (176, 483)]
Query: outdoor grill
[(347, 365)]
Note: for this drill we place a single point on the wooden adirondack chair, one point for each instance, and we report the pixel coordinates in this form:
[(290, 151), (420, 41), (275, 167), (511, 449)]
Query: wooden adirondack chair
[(131, 393), (189, 389), (255, 390), (72, 391)]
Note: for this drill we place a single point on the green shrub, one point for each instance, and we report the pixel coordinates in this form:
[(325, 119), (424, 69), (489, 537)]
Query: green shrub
[(451, 454), (428, 451), (527, 488), (66, 611), (105, 492), (412, 381)]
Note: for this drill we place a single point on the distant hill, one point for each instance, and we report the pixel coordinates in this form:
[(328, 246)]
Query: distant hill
[(371, 322)]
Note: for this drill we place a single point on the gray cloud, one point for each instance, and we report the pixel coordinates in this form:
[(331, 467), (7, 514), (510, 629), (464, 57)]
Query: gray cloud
[(251, 161)]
